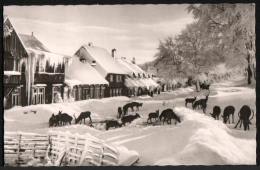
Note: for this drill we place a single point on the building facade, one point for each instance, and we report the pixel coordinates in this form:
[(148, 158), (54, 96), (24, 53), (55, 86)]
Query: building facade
[(32, 74), (83, 81), (105, 64)]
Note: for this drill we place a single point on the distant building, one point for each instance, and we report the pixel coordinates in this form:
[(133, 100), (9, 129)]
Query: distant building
[(32, 74), (105, 64), (152, 71), (137, 82)]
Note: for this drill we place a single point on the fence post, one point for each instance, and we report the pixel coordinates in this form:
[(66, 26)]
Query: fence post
[(18, 149)]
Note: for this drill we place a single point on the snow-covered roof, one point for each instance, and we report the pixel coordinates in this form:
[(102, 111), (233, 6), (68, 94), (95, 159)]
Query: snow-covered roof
[(104, 59), (32, 42), (78, 73), (51, 57), (129, 82), (129, 67), (29, 41)]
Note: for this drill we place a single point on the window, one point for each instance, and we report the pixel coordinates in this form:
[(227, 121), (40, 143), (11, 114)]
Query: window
[(74, 92), (14, 69), (97, 92), (56, 94), (38, 96), (82, 59), (91, 92), (41, 95), (111, 78), (102, 91), (111, 92), (114, 92), (41, 65), (86, 93), (119, 92), (15, 97), (118, 78), (93, 63)]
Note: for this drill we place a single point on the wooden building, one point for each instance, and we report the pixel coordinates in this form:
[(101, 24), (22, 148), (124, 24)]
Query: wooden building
[(83, 81), (32, 74), (105, 64), (137, 82)]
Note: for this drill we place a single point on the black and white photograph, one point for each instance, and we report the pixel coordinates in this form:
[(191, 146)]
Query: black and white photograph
[(129, 85)]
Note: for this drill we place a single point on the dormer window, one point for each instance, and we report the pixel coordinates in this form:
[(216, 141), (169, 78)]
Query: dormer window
[(82, 59), (93, 63)]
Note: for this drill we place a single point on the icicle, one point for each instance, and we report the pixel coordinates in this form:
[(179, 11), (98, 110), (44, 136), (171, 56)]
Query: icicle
[(29, 74)]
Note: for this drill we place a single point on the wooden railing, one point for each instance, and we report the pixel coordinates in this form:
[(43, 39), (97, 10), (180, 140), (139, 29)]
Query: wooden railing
[(12, 79), (19, 148), (58, 149), (50, 78)]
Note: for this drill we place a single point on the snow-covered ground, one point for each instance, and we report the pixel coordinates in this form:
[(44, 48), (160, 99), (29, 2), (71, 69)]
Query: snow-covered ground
[(198, 139)]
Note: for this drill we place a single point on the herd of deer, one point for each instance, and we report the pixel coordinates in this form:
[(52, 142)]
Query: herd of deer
[(62, 119), (166, 115), (244, 113)]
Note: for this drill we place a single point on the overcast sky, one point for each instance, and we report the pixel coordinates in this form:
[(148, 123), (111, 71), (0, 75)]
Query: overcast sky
[(134, 30)]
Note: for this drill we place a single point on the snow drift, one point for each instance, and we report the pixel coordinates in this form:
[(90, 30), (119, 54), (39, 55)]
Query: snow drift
[(211, 143)]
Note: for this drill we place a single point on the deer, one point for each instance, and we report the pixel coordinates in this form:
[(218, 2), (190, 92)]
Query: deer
[(83, 116)]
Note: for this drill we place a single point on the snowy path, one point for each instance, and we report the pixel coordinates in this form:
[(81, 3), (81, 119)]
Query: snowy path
[(198, 139)]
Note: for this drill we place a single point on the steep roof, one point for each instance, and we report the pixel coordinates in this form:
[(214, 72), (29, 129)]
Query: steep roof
[(78, 73), (129, 67), (104, 59), (32, 42)]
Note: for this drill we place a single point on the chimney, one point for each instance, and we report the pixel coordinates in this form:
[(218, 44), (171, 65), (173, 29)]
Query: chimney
[(133, 60), (32, 34), (90, 44), (113, 53)]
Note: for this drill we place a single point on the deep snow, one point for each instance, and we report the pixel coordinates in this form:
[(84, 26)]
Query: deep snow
[(198, 139)]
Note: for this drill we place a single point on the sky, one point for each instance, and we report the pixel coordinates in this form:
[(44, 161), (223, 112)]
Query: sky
[(134, 30)]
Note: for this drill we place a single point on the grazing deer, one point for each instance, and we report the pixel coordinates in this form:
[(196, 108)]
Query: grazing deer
[(112, 123), (244, 117), (131, 105), (190, 100), (129, 118), (216, 112), (64, 118), (153, 115), (83, 116), (167, 115), (229, 110)]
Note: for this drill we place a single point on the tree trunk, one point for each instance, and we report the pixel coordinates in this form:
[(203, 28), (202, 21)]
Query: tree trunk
[(197, 85), (249, 75)]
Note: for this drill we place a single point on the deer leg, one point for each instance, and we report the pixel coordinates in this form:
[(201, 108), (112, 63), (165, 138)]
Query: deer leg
[(238, 123), (241, 122)]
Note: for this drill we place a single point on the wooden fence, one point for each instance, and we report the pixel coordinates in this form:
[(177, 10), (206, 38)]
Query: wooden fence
[(58, 149), (20, 147)]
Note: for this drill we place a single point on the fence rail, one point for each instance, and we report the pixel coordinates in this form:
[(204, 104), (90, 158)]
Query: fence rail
[(58, 148)]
